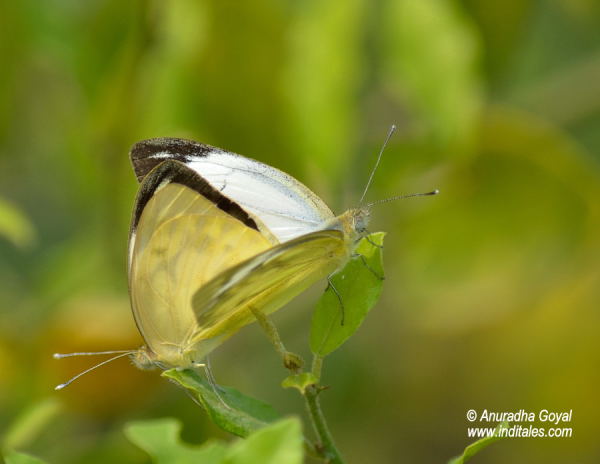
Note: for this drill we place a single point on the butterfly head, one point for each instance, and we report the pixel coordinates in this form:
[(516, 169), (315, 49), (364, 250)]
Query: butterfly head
[(360, 218), (353, 223), (185, 356), (144, 359)]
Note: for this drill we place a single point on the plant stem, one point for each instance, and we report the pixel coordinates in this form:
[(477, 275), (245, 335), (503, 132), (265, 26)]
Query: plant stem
[(326, 445), (317, 364)]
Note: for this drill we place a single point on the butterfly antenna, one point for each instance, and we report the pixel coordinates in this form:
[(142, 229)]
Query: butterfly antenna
[(402, 197), (91, 353), (72, 379), (387, 139)]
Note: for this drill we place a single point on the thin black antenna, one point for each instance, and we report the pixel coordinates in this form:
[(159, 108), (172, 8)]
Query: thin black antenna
[(402, 197), (72, 379), (387, 139)]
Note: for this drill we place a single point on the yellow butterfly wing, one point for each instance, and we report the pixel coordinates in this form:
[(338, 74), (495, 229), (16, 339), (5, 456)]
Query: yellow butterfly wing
[(266, 282), (184, 233)]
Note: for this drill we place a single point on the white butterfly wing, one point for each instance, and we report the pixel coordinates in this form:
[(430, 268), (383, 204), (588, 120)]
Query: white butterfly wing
[(284, 205)]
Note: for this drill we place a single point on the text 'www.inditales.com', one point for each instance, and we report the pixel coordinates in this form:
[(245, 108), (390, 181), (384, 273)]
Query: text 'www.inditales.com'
[(520, 424)]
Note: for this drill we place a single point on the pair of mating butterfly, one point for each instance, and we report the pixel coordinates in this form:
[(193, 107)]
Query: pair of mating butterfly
[(217, 239)]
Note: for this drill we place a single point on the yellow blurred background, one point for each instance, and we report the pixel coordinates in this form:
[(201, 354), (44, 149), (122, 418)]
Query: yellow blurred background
[(493, 287)]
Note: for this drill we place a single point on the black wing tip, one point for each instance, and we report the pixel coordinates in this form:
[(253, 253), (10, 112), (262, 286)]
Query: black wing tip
[(176, 146), (143, 153)]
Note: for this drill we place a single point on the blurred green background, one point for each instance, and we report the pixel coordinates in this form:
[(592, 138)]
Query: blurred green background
[(493, 288)]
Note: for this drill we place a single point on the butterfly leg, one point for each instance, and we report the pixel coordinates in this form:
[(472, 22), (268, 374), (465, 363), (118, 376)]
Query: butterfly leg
[(211, 380), (339, 297), (291, 361), (366, 237), (214, 387), (364, 261), (210, 376)]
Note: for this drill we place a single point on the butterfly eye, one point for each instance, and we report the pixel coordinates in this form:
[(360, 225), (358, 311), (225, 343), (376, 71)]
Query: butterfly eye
[(360, 220)]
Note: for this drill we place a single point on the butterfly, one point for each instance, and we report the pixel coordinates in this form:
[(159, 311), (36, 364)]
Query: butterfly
[(216, 239)]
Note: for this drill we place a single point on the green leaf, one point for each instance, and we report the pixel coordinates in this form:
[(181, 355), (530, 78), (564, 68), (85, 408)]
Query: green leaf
[(476, 447), (14, 457), (242, 414), (14, 225), (359, 287), (300, 381), (160, 439), (279, 443)]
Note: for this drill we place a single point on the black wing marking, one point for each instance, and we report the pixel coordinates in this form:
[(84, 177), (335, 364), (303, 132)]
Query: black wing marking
[(174, 171), (148, 154)]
